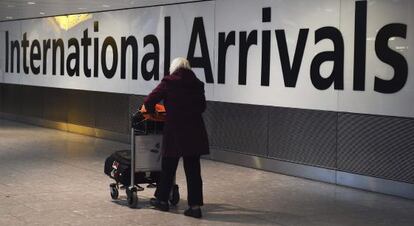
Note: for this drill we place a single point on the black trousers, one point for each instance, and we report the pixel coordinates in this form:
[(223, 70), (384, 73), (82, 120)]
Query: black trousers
[(192, 173)]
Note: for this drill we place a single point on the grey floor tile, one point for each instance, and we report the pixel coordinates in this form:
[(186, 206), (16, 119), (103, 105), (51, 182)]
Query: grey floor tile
[(11, 220)]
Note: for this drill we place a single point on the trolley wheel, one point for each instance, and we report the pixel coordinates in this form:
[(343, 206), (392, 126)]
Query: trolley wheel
[(132, 197), (114, 191), (175, 196)]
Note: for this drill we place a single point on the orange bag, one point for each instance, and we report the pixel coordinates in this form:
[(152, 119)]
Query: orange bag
[(158, 116)]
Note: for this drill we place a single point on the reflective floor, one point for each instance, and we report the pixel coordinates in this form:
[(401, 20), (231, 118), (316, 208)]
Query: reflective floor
[(50, 177)]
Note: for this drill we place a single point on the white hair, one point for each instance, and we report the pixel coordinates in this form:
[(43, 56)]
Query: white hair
[(179, 62)]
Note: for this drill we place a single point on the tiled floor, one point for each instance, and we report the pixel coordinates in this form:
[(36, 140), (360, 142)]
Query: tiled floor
[(50, 177)]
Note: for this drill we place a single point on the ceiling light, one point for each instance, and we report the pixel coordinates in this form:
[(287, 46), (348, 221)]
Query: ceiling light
[(106, 6), (42, 13), (82, 8), (10, 6), (31, 3), (9, 17), (69, 21)]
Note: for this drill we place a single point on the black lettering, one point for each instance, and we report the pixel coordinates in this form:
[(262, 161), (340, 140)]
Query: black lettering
[(223, 44), (245, 43), (266, 14), (167, 44), (46, 46), (7, 51), (73, 56), (15, 45), (55, 44), (204, 60), (25, 44), (35, 54), (96, 26), (360, 44), (291, 72), (96, 51), (337, 56), (265, 58), (154, 73), (125, 42), (392, 58), (86, 42), (109, 41), (266, 17)]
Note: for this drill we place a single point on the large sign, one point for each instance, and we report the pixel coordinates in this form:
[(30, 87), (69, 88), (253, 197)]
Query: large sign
[(342, 55)]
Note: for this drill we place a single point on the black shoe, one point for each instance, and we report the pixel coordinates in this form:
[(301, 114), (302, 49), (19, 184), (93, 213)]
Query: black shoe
[(196, 213), (160, 205)]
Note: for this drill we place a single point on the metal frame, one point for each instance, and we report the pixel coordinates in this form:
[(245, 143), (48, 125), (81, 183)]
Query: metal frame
[(132, 157)]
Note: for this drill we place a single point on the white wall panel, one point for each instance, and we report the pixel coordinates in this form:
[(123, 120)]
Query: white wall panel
[(226, 16)]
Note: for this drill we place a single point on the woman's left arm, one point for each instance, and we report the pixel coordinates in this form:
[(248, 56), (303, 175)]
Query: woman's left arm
[(158, 94)]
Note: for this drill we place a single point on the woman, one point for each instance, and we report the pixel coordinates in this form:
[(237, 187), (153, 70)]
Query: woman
[(184, 133)]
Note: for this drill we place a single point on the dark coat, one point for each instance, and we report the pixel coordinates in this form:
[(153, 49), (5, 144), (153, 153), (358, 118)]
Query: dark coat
[(184, 130)]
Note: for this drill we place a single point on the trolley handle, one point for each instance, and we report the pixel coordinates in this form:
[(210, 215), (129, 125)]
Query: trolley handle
[(158, 116), (155, 113), (159, 109)]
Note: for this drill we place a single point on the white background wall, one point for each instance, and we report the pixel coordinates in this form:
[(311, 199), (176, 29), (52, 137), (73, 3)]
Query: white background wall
[(237, 15)]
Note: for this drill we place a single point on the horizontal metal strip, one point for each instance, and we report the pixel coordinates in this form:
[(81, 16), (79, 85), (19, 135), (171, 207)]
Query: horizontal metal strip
[(376, 184), (273, 165), (367, 183), (69, 127)]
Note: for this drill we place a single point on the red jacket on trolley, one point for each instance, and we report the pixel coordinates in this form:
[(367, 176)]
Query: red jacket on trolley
[(184, 130)]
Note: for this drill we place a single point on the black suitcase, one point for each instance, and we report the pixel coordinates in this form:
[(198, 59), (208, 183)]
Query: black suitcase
[(118, 167)]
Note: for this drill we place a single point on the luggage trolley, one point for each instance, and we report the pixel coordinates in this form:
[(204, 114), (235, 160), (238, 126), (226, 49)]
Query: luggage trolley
[(146, 139)]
